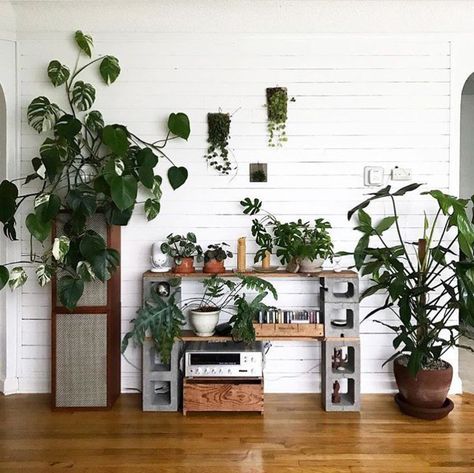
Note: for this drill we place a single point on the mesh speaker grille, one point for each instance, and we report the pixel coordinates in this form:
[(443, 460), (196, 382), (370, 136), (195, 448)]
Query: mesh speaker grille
[(95, 292), (81, 360)]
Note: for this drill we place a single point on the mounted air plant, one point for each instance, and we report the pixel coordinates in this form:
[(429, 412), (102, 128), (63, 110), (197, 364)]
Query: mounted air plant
[(218, 138), (277, 109)]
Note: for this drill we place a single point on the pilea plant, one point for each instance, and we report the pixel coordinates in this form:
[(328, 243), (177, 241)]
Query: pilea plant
[(217, 153), (84, 167), (218, 252), (182, 246), (277, 109)]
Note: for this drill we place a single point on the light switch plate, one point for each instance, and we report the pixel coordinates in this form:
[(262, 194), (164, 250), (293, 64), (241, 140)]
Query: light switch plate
[(401, 174), (373, 176)]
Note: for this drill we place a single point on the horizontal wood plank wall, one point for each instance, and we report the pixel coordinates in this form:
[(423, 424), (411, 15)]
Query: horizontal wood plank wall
[(359, 101)]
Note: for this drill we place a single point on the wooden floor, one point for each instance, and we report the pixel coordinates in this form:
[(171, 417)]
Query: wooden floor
[(294, 435)]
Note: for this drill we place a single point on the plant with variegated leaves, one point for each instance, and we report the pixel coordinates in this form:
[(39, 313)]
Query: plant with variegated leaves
[(84, 167)]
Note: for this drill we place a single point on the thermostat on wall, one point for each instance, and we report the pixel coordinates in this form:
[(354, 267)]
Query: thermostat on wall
[(373, 176)]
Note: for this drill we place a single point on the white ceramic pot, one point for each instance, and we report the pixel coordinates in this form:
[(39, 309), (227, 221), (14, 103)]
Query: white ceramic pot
[(308, 266), (204, 323)]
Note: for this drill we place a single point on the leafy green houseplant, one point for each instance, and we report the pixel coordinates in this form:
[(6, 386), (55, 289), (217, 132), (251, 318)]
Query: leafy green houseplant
[(218, 138), (162, 319), (277, 110), (424, 285), (300, 245), (214, 257), (183, 249), (84, 167)]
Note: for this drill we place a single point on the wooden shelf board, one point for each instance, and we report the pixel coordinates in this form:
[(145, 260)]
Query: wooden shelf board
[(190, 336), (276, 274)]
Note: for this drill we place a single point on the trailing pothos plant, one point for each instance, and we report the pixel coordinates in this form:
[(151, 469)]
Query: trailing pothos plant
[(84, 166), (162, 319), (423, 281)]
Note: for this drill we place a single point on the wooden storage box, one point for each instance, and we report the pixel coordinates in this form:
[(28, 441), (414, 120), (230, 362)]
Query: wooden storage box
[(222, 395), (289, 330)]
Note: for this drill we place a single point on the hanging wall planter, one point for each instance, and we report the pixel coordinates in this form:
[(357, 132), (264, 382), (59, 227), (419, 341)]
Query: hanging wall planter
[(277, 108), (218, 138)]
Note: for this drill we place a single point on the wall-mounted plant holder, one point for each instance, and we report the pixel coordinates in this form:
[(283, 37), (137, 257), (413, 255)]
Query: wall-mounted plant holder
[(258, 172), (217, 155), (277, 111)]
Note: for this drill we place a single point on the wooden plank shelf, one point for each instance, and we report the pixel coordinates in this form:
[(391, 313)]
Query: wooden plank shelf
[(190, 336)]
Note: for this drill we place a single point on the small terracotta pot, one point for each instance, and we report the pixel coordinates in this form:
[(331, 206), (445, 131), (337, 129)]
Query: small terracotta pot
[(186, 266), (429, 389), (213, 266)]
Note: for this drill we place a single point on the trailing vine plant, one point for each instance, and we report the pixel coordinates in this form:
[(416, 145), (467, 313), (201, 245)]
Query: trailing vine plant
[(277, 111), (84, 167), (218, 138)]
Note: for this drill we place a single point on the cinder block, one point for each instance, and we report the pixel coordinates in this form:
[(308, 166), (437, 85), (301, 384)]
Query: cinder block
[(334, 313), (341, 289), (161, 389), (348, 378)]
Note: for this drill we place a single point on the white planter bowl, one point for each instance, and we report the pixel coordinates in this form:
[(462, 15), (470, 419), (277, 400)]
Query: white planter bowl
[(308, 266), (204, 323)]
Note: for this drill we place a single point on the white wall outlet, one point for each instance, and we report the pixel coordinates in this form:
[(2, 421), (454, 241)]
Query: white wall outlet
[(401, 174), (373, 176)]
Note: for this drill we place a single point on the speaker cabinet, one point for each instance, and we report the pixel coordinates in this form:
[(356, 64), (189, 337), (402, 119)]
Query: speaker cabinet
[(85, 342)]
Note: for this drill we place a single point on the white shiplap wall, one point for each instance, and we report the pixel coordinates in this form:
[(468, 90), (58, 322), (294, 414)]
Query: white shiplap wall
[(359, 101)]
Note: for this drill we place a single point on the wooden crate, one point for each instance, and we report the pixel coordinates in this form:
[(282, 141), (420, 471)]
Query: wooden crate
[(222, 395), (289, 330)]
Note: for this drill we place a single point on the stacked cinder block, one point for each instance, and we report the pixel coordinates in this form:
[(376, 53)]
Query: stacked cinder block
[(161, 381), (339, 305)]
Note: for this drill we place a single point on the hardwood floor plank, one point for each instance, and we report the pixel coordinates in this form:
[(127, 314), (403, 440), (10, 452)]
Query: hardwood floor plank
[(294, 436)]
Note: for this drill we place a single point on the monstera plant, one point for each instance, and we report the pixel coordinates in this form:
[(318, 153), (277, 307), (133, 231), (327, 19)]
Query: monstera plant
[(84, 166)]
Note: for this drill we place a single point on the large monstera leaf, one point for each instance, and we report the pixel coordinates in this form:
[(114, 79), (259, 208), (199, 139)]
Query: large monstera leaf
[(85, 42), (94, 121), (58, 73), (42, 114), (83, 95), (109, 69)]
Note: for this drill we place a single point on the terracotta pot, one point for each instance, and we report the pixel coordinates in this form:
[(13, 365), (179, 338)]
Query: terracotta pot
[(213, 266), (186, 266), (429, 389)]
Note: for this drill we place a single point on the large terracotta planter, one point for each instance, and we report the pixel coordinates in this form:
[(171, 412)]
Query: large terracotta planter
[(428, 390), (213, 266), (186, 266)]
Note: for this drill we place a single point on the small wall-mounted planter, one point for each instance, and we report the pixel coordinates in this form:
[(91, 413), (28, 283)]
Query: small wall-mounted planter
[(258, 172), (217, 155), (277, 110)]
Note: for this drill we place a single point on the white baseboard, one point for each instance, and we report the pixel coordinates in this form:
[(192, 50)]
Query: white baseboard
[(9, 386)]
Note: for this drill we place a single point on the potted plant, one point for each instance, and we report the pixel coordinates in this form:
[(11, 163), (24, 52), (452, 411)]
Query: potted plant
[(277, 109), (219, 295), (301, 246), (217, 154), (183, 249), (84, 167), (214, 258), (424, 285)]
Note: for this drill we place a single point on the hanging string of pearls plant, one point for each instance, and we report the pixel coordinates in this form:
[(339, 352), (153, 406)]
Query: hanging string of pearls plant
[(217, 155), (277, 114)]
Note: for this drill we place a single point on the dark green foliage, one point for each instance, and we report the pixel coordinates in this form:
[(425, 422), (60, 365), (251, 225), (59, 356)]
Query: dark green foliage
[(423, 292), (277, 109), (258, 176), (182, 246), (218, 138), (243, 329), (162, 319), (217, 252)]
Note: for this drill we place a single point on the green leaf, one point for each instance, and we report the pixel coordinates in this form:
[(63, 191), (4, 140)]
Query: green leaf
[(39, 229), (68, 127), (91, 245), (94, 121), (58, 73), (84, 42), (146, 176), (8, 196), (360, 251), (60, 248), (251, 207), (146, 157), (42, 114), (82, 200), (83, 95), (124, 191), (109, 69), (177, 176), (385, 224), (115, 216), (116, 139), (18, 277), (85, 271), (4, 276), (44, 273), (47, 207), (178, 124), (70, 291), (55, 149), (364, 218), (156, 189), (152, 208), (409, 188)]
